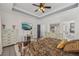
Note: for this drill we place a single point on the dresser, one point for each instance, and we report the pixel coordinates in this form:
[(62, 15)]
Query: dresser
[(9, 37), (0, 38)]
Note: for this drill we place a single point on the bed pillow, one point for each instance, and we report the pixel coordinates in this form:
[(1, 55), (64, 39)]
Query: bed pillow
[(62, 44)]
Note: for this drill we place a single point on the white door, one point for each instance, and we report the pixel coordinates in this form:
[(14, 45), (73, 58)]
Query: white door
[(0, 38)]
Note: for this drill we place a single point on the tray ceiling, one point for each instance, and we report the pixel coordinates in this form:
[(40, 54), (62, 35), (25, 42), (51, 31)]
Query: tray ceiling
[(28, 8)]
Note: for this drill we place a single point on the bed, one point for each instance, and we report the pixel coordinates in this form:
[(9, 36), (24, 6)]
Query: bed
[(45, 47)]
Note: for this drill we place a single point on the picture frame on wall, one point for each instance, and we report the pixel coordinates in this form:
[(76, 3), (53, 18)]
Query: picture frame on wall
[(26, 26), (72, 27), (52, 28)]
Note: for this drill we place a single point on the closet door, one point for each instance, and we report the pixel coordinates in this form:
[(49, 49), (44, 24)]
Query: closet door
[(0, 38)]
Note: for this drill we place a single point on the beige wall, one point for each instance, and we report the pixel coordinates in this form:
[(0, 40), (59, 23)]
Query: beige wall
[(0, 38)]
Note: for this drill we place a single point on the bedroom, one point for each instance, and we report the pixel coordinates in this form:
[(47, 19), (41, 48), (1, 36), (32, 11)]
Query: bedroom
[(48, 31)]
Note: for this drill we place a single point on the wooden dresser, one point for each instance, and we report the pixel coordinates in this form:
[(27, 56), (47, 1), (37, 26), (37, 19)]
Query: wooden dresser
[(9, 37)]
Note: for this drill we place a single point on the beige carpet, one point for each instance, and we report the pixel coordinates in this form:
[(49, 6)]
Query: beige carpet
[(9, 51)]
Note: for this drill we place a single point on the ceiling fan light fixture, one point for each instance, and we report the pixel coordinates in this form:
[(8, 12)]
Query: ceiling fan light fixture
[(39, 9), (42, 7)]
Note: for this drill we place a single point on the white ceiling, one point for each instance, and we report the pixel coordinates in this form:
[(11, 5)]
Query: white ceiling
[(28, 8)]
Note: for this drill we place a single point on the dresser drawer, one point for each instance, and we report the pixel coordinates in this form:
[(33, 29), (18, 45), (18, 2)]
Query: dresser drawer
[(8, 36), (4, 44)]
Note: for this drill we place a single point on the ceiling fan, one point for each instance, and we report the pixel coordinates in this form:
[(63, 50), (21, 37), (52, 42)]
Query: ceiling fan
[(41, 7)]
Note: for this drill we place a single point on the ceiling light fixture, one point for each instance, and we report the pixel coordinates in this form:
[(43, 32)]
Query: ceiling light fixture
[(42, 7)]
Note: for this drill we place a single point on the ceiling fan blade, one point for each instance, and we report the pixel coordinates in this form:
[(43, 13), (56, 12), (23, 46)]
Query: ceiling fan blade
[(47, 7), (36, 10), (42, 11), (35, 5)]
